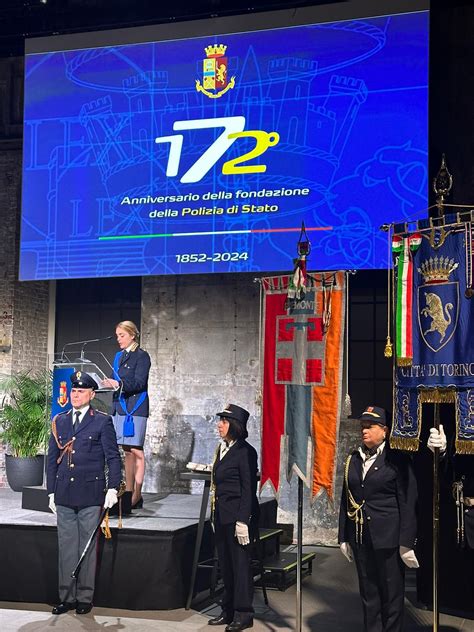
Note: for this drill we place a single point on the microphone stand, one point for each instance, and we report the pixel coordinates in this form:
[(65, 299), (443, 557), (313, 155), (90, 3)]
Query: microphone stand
[(83, 343)]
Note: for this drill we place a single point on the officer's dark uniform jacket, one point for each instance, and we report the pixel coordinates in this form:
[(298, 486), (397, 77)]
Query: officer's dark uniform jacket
[(460, 467), (235, 479), (79, 479), (134, 367), (389, 495)]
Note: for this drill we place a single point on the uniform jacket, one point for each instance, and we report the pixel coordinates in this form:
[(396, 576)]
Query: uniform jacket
[(134, 367), (235, 478), (460, 467), (390, 495), (79, 479)]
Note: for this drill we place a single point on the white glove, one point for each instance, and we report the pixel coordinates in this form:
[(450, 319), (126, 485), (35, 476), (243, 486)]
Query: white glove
[(408, 557), (110, 498), (52, 504), (437, 439), (346, 550), (242, 533)]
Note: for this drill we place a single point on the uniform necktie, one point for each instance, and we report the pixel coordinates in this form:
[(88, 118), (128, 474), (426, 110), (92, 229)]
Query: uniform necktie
[(77, 422), (370, 451)]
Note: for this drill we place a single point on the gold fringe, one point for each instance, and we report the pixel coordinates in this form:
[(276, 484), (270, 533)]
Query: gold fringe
[(404, 361), (105, 526), (411, 444), (437, 396), (464, 447)]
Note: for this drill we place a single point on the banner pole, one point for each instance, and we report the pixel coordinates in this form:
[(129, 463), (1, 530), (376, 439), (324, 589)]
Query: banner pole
[(299, 558), (436, 524), (442, 186)]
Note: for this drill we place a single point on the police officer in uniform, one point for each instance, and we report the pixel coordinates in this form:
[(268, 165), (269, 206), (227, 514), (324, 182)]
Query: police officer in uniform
[(235, 517), (82, 441), (377, 522)]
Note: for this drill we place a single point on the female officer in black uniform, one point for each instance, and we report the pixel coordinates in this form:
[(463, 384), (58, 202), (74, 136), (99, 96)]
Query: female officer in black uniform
[(235, 516)]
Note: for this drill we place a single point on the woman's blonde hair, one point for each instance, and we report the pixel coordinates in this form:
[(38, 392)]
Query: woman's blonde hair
[(130, 328)]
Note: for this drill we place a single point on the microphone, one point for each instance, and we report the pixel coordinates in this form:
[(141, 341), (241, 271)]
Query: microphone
[(86, 342)]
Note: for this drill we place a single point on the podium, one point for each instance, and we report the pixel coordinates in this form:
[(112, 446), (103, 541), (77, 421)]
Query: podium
[(65, 364)]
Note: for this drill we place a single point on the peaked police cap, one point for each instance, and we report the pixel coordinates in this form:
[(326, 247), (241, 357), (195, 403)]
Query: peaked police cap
[(79, 379), (232, 411)]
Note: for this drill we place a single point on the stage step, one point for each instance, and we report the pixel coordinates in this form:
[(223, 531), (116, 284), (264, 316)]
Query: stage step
[(280, 571), (279, 567), (270, 541), (266, 534)]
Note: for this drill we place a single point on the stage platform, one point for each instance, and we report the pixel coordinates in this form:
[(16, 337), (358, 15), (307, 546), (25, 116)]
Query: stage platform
[(145, 566)]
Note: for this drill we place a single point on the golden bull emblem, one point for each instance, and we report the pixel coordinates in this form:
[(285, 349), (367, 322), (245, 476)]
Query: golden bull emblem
[(438, 300)]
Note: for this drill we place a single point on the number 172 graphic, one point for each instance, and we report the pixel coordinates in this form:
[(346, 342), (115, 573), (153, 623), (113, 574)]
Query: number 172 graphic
[(233, 129)]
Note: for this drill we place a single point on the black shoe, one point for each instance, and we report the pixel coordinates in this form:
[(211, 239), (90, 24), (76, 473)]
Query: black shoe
[(240, 622), (83, 608), (222, 619), (63, 607), (138, 504)]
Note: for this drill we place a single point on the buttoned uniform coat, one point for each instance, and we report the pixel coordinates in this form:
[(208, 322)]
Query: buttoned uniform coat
[(460, 467), (134, 367), (389, 493), (235, 478), (80, 481)]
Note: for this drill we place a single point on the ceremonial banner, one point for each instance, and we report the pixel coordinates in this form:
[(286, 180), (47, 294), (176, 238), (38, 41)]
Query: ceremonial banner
[(442, 366), (302, 381), (61, 401)]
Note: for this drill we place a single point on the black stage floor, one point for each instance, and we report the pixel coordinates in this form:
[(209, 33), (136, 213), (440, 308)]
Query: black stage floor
[(145, 566)]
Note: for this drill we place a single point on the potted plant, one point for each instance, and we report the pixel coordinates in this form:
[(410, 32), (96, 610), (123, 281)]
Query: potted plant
[(23, 426)]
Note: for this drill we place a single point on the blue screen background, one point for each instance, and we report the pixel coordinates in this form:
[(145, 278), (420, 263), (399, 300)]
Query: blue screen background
[(348, 99)]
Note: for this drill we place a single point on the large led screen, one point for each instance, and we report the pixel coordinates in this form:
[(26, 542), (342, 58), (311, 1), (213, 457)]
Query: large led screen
[(206, 154)]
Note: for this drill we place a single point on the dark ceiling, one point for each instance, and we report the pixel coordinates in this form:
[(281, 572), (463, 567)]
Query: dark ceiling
[(33, 18)]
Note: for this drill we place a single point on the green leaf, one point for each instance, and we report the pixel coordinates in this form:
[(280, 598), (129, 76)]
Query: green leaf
[(24, 404)]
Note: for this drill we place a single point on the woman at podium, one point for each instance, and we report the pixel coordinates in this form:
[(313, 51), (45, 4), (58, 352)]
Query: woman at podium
[(130, 404)]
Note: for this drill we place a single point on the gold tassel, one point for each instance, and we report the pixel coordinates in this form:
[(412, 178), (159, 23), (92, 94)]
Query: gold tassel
[(388, 351), (120, 524), (105, 526)]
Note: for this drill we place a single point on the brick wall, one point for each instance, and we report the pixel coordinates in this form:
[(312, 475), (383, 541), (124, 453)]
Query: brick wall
[(23, 306)]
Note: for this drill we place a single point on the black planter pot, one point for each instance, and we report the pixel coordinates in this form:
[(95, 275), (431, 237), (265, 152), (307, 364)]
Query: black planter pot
[(24, 471)]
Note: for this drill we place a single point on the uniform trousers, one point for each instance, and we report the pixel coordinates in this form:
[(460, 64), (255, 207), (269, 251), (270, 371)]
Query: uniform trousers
[(382, 587), (75, 526), (234, 562)]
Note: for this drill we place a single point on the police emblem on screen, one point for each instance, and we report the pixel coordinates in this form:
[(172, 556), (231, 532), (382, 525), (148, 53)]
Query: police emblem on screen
[(215, 81)]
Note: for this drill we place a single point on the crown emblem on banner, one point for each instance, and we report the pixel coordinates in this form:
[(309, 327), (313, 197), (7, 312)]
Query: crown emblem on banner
[(436, 270), (216, 50)]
